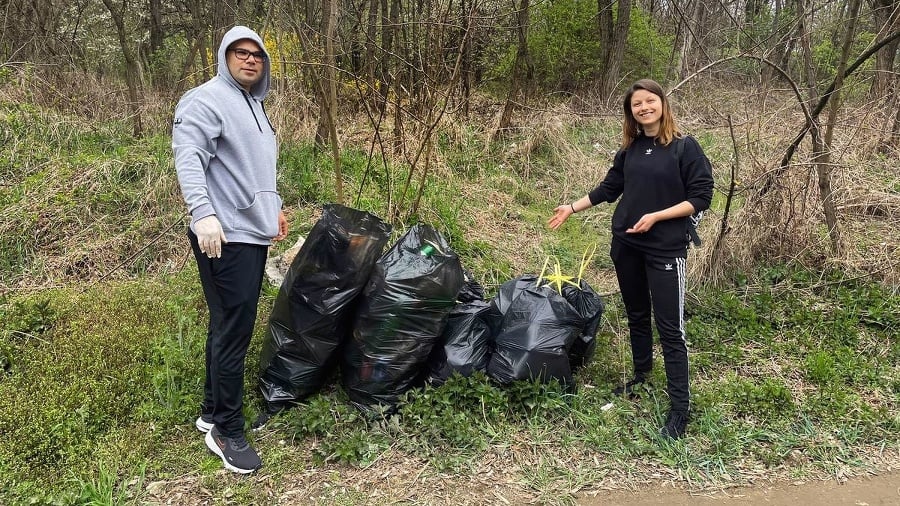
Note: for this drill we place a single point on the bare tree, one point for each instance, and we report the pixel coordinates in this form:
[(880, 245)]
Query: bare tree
[(688, 26), (132, 64), (521, 65), (613, 35), (886, 16), (822, 155)]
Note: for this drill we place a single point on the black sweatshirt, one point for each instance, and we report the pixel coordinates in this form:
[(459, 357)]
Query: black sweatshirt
[(647, 177)]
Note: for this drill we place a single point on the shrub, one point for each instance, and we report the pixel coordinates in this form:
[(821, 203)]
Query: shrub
[(90, 362)]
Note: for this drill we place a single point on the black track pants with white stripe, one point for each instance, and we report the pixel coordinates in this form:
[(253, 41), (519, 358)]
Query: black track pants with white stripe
[(651, 284)]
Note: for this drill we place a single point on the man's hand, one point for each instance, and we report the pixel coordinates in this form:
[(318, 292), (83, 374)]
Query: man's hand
[(210, 236), (282, 227)]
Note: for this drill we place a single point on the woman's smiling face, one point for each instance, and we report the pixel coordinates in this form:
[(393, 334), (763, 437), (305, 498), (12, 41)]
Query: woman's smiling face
[(646, 107)]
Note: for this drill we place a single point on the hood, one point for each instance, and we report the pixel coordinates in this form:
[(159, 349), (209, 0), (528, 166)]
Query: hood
[(261, 88)]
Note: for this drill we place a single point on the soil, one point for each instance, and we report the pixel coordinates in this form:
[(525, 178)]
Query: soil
[(881, 490)]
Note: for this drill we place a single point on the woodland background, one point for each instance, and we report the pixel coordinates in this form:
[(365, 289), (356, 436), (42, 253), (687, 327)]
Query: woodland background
[(798, 85)]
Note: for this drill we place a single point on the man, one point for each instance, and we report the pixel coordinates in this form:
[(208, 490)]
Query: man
[(225, 156)]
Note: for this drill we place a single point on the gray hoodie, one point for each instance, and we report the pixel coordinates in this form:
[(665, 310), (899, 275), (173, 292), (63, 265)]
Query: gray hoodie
[(226, 152)]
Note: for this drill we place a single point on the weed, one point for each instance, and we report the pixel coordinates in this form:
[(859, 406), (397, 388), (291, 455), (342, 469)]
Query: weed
[(107, 489), (451, 416), (320, 415), (90, 383), (357, 447), (28, 318)]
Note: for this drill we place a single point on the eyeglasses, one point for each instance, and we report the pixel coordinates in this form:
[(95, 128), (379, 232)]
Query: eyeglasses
[(243, 54)]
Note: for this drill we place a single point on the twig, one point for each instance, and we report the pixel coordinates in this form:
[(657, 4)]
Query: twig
[(861, 276), (800, 100), (143, 248), (810, 120), (723, 229)]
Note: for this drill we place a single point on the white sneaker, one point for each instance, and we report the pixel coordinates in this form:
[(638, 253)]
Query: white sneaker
[(204, 423)]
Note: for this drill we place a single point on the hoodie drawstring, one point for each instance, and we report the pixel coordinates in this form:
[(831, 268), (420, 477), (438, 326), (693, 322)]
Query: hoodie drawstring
[(244, 94), (266, 115)]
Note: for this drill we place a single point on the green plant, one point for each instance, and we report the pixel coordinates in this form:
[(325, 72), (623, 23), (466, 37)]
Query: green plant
[(28, 318), (452, 415), (107, 488), (176, 375), (91, 383), (356, 447), (820, 367), (320, 415)]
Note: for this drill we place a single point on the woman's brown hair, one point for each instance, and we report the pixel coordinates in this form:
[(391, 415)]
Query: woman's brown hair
[(668, 129)]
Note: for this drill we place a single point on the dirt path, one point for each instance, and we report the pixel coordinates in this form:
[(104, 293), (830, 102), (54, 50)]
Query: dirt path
[(881, 490)]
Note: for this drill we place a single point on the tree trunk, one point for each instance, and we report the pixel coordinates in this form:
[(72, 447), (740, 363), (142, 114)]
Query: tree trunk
[(823, 165), (468, 64), (157, 34), (687, 39), (515, 84), (886, 14), (199, 32), (613, 35), (371, 34), (387, 44), (397, 79), (893, 140), (132, 67), (784, 39), (327, 131)]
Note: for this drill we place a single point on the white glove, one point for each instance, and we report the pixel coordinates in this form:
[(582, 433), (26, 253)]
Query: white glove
[(210, 236)]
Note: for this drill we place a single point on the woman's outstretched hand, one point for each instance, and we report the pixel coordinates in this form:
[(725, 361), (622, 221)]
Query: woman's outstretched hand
[(643, 225), (560, 215)]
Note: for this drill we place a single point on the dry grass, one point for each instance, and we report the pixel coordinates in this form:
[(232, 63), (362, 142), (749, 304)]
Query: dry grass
[(541, 156), (502, 475), (786, 223)]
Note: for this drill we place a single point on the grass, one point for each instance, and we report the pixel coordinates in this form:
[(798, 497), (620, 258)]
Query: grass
[(128, 358), (794, 367)]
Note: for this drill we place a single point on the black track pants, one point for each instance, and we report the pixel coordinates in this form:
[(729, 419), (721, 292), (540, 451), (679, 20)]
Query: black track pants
[(654, 284), (231, 285)]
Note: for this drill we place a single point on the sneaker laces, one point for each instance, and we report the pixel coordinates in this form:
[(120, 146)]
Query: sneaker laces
[(239, 443)]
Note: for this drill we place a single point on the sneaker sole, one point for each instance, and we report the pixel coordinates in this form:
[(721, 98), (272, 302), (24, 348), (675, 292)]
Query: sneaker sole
[(203, 426), (213, 447)]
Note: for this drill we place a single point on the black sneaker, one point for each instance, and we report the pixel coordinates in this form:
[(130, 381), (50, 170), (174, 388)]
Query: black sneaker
[(204, 422), (236, 453), (632, 388), (676, 424)]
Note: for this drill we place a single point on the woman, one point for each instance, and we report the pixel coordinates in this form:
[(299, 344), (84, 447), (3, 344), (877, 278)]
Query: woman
[(650, 235)]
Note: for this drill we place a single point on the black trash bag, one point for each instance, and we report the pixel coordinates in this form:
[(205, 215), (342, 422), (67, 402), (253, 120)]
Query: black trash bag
[(401, 314), (471, 290), (315, 303), (505, 295), (536, 333), (589, 305), (464, 346)]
